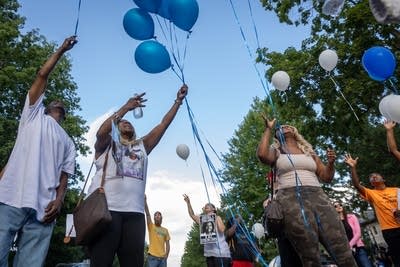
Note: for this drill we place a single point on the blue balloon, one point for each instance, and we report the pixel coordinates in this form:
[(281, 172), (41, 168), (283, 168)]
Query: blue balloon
[(148, 5), (379, 62), (184, 13), (152, 57), (163, 11), (138, 24)]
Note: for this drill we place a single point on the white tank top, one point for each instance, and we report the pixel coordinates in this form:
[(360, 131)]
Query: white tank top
[(126, 176), (287, 165), (219, 249)]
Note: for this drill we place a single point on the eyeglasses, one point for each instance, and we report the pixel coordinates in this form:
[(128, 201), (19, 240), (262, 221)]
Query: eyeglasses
[(337, 205)]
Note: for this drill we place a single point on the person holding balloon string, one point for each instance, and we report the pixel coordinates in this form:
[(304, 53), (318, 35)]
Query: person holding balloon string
[(391, 141), (307, 210), (217, 253), (125, 182)]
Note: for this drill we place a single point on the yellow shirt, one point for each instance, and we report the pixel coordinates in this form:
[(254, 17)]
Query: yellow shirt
[(384, 203), (158, 235)]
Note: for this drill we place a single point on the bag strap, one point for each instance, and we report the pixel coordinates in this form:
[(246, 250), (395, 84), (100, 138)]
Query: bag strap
[(103, 176), (273, 170), (68, 237)]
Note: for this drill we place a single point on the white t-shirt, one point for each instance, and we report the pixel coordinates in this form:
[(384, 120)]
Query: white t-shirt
[(41, 152), (126, 175)]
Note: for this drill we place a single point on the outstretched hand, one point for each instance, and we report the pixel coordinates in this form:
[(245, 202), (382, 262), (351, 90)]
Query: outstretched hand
[(350, 161), (331, 155), (268, 123), (389, 125), (182, 92), (136, 101), (186, 198), (68, 43)]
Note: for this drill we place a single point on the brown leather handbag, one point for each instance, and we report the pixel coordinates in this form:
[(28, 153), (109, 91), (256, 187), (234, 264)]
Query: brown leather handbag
[(91, 215)]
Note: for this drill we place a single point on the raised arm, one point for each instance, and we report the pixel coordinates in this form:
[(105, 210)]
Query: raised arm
[(390, 139), (194, 217), (354, 176), (39, 85), (326, 172), (146, 210), (103, 137), (154, 136), (266, 154)]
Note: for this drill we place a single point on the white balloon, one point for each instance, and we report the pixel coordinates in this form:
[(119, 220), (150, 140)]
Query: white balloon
[(183, 151), (383, 104), (328, 59), (280, 80), (258, 230), (393, 108), (332, 7)]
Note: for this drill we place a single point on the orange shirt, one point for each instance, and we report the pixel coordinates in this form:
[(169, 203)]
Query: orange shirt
[(384, 203)]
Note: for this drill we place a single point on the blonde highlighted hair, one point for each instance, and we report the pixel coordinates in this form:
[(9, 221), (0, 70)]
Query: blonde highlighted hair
[(302, 144)]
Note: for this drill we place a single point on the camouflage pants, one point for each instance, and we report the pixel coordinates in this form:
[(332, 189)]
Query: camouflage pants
[(310, 219)]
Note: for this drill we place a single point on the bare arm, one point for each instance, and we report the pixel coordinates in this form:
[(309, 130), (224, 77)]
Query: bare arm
[(391, 141), (231, 230), (54, 207), (194, 217), (39, 85), (146, 210), (326, 172), (354, 176), (220, 224), (155, 135), (167, 248), (103, 137), (264, 153)]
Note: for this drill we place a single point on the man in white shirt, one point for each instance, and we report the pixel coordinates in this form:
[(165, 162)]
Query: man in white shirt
[(34, 181)]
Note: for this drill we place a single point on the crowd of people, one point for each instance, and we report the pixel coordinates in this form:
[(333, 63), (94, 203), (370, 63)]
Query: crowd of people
[(32, 193)]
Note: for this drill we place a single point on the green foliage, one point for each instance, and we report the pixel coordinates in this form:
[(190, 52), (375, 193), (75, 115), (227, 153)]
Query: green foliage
[(193, 254), (315, 106)]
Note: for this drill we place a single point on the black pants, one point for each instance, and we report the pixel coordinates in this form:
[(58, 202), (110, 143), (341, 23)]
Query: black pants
[(289, 256), (392, 238), (124, 237), (218, 262)]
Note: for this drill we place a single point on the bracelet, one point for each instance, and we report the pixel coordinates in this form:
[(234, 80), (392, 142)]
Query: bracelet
[(117, 117), (178, 101)]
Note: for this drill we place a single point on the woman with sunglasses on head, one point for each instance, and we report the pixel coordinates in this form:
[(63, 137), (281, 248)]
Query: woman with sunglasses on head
[(307, 210), (353, 233)]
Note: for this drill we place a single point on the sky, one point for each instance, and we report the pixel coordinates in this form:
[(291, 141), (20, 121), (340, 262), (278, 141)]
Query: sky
[(218, 70)]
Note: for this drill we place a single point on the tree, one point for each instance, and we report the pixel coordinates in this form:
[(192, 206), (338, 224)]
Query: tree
[(193, 254), (314, 105), (21, 55)]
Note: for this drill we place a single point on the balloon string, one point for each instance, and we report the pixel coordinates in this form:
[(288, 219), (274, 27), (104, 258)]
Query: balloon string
[(77, 19), (340, 91), (212, 169), (393, 86)]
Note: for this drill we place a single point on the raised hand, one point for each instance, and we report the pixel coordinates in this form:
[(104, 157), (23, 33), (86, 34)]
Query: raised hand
[(350, 161)]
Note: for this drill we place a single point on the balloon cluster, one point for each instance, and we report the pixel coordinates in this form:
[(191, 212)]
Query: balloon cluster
[(151, 56)]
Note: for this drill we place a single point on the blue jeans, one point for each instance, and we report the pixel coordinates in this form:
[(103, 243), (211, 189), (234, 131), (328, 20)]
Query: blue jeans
[(156, 261), (361, 257), (33, 236)]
